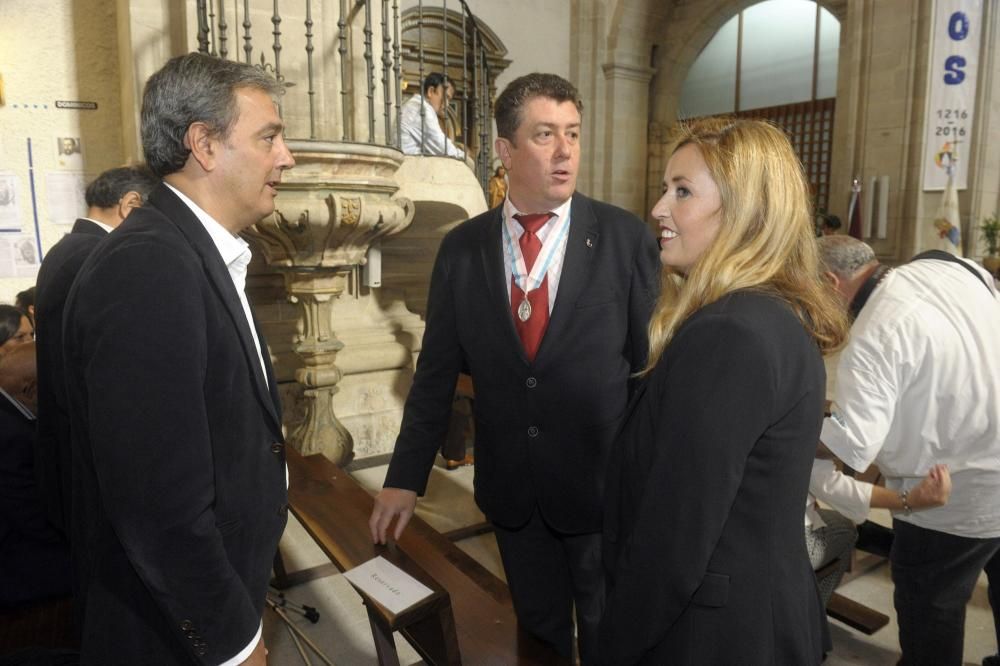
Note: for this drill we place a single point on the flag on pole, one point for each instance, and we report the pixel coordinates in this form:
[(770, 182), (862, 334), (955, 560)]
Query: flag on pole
[(854, 211), (947, 222)]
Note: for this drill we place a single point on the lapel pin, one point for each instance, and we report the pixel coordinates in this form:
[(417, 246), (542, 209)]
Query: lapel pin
[(590, 243)]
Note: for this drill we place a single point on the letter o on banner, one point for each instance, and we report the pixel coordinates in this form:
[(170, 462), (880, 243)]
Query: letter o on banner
[(958, 26)]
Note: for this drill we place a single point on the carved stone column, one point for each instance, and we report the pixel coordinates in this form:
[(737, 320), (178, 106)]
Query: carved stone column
[(332, 206)]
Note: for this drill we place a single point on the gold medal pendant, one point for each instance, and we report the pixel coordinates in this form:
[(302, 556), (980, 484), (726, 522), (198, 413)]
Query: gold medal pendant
[(524, 310)]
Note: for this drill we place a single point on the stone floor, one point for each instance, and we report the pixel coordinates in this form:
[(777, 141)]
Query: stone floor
[(343, 634)]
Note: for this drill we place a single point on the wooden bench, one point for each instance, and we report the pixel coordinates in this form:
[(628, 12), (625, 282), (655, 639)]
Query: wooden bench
[(853, 614), (856, 615), (468, 619)]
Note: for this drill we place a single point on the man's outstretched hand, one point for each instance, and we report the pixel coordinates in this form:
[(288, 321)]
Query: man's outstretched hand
[(391, 503)]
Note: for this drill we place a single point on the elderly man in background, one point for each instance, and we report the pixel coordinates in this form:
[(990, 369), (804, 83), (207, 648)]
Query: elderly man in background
[(919, 384), (110, 198)]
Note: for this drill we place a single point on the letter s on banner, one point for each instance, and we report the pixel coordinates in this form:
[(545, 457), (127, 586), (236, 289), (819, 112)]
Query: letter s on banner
[(953, 74)]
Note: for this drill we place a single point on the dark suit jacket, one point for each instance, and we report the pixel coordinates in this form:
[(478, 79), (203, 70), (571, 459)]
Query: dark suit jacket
[(178, 466), (703, 529), (543, 429), (34, 558), (55, 277)]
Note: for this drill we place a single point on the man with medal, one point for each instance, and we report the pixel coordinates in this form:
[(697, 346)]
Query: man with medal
[(544, 300)]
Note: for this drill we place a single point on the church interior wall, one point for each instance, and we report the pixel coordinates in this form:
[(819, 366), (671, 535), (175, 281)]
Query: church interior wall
[(52, 51)]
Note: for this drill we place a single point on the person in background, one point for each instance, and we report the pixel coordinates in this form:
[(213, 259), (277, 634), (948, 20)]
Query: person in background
[(831, 533), (419, 124), (34, 557), (25, 301), (178, 455), (703, 538), (15, 328), (544, 301), (110, 198), (918, 385), (827, 224)]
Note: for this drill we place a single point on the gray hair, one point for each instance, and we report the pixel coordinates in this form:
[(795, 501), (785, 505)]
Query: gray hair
[(843, 255), (188, 89), (108, 189)]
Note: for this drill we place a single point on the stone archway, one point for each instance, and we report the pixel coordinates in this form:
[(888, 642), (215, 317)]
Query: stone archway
[(683, 34)]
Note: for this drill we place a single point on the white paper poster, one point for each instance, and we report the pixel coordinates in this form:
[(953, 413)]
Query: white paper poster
[(18, 255), (10, 206), (951, 99), (69, 152), (64, 199)]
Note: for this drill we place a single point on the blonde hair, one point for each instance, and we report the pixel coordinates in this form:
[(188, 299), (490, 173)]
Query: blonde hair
[(766, 238)]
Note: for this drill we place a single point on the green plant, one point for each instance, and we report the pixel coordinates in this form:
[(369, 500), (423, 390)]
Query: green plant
[(990, 229)]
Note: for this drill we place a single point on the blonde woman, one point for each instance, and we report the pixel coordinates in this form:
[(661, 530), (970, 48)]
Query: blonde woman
[(703, 525)]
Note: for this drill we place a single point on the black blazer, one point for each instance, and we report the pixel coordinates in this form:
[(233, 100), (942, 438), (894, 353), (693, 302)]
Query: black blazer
[(703, 540), (55, 277), (178, 462), (543, 429)]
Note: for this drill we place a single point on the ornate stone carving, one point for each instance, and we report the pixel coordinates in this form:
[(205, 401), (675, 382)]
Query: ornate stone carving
[(332, 206)]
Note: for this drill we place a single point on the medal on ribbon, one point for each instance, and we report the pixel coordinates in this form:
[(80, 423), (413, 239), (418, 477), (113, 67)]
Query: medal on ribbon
[(524, 309), (529, 281)]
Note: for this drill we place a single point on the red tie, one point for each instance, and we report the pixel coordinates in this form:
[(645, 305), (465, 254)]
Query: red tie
[(532, 329)]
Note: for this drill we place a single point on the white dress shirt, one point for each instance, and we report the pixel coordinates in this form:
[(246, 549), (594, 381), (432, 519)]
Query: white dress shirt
[(919, 384), (847, 496), (545, 235), (435, 142), (236, 255)]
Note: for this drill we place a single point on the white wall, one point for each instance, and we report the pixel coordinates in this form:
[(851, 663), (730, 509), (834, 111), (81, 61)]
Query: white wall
[(41, 62)]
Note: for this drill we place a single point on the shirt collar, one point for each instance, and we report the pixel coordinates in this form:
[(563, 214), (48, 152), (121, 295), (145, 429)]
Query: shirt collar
[(509, 211), (99, 223), (231, 248)]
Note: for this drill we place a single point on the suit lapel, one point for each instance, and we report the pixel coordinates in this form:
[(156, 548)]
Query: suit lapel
[(580, 248), (218, 276), (491, 249)]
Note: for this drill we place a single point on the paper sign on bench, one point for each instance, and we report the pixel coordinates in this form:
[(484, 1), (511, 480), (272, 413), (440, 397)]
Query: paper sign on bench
[(387, 584)]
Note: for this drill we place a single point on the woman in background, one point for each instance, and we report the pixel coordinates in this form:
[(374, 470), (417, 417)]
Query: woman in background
[(15, 329), (703, 536)]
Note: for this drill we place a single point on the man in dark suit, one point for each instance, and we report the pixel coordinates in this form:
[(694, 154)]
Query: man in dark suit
[(178, 461), (110, 198), (545, 300), (34, 558)]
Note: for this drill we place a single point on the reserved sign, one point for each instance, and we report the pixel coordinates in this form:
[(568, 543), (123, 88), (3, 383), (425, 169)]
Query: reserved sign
[(387, 584)]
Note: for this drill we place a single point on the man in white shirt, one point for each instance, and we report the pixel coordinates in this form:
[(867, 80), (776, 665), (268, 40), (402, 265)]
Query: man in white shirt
[(178, 457), (419, 125), (919, 384)]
